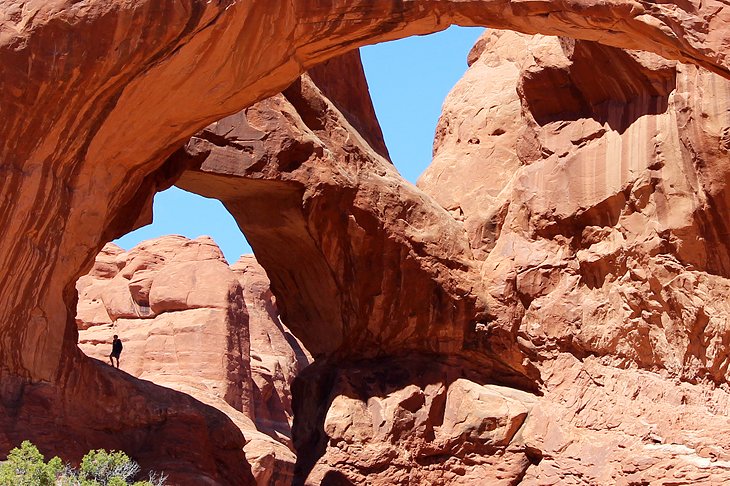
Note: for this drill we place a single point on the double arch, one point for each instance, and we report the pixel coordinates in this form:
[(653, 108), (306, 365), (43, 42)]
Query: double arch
[(96, 95)]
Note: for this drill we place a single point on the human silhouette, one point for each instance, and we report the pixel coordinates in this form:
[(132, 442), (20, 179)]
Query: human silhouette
[(116, 350)]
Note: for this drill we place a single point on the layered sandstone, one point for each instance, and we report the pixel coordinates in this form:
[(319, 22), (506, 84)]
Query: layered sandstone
[(595, 200), (550, 325), (96, 65), (191, 323), (380, 284), (97, 94)]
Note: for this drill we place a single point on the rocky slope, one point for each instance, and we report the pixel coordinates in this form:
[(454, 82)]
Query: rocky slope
[(191, 323)]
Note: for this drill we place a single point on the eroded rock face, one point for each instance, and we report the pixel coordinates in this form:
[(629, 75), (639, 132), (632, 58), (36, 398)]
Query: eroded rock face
[(180, 311), (570, 256), (410, 420), (596, 210), (619, 210), (96, 65), (276, 355), (121, 86), (366, 269), (187, 321)]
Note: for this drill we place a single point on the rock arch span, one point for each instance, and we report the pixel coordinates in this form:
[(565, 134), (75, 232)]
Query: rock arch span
[(97, 95)]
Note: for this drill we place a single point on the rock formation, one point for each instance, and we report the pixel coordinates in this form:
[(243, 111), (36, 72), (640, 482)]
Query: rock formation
[(577, 264), (97, 95), (366, 269), (188, 321), (595, 199), (125, 83)]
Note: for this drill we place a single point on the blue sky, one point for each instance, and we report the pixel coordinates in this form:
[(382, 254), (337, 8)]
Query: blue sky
[(408, 79)]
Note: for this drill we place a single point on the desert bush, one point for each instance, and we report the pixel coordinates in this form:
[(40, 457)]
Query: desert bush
[(26, 466)]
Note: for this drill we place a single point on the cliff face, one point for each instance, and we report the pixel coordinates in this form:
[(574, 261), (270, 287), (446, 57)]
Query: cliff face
[(592, 185), (193, 324), (589, 205), (123, 84), (97, 95), (380, 284), (547, 326)]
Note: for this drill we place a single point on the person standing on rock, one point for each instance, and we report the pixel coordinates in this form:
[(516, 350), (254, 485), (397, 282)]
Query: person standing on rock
[(116, 350)]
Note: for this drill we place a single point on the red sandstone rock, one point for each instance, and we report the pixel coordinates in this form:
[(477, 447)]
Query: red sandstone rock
[(120, 90), (589, 253), (115, 171), (97, 94), (198, 341), (421, 421), (591, 202), (276, 355), (365, 268)]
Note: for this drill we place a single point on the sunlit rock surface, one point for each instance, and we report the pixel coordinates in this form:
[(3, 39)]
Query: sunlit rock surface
[(366, 269), (190, 322), (592, 183), (96, 95)]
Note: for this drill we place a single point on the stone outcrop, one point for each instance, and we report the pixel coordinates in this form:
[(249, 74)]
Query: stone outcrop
[(181, 311), (582, 280), (596, 200), (366, 269), (98, 65), (121, 85), (617, 205), (191, 323)]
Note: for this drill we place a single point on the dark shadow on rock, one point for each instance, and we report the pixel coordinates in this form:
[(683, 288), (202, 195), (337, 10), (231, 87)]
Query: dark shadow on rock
[(96, 406), (607, 84), (336, 478), (314, 390)]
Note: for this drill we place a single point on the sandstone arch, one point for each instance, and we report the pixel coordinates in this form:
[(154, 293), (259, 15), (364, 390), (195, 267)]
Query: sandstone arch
[(80, 159), (80, 80), (621, 143)]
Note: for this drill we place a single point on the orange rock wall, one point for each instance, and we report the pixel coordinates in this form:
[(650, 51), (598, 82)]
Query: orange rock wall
[(591, 184), (91, 171), (191, 323), (366, 268), (96, 96)]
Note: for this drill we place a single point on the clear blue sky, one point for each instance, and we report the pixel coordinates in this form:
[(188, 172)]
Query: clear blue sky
[(408, 79)]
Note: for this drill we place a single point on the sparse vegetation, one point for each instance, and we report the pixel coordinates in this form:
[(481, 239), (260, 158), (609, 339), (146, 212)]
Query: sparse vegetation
[(26, 466)]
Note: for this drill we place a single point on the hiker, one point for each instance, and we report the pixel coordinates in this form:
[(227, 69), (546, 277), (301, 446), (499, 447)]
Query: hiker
[(116, 350)]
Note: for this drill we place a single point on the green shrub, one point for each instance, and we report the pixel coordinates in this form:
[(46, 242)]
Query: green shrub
[(108, 468), (26, 466)]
